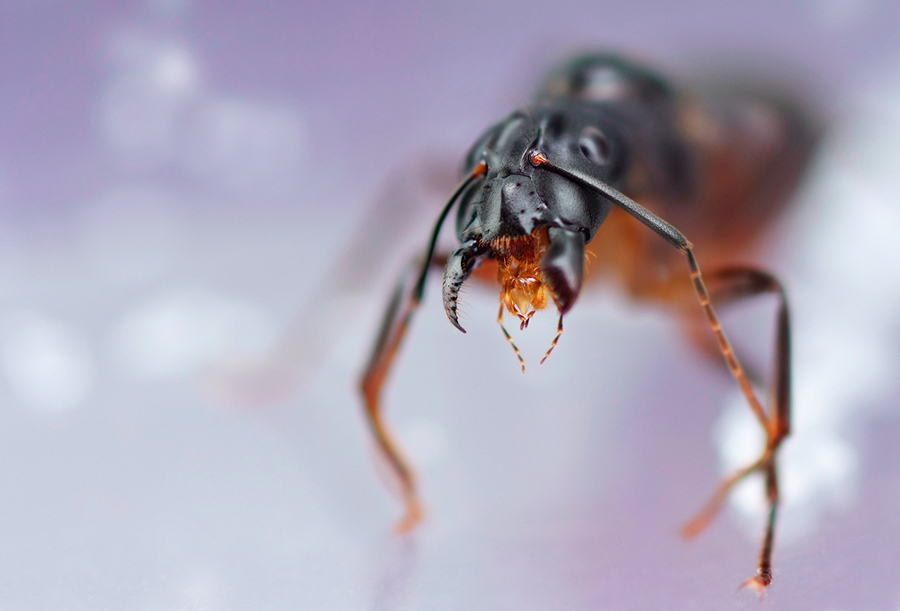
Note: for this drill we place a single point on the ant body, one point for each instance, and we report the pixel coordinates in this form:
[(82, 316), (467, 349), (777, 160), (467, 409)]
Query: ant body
[(561, 180)]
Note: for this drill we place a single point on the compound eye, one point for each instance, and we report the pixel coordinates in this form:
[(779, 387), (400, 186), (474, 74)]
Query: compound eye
[(594, 145)]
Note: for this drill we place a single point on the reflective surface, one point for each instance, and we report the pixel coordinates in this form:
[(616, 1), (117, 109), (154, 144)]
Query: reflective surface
[(178, 180)]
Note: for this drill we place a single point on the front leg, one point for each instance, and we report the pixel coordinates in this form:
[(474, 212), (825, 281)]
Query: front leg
[(397, 317), (730, 285), (403, 304), (776, 422)]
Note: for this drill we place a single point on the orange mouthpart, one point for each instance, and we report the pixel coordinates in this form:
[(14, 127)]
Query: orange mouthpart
[(522, 289)]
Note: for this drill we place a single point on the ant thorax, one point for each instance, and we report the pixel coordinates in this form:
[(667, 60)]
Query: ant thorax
[(522, 288)]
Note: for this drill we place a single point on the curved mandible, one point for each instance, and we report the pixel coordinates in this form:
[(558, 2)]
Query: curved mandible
[(480, 170)]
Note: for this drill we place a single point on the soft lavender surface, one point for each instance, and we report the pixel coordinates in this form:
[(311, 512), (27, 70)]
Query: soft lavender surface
[(177, 177)]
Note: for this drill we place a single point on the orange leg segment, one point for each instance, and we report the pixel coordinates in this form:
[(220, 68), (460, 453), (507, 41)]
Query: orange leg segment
[(399, 313), (733, 284)]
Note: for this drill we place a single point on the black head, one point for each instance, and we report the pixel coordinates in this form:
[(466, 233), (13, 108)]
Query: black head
[(535, 222)]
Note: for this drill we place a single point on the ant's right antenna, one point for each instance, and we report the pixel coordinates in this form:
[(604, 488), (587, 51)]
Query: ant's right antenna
[(559, 330)]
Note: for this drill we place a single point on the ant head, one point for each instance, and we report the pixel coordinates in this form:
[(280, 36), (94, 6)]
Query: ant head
[(514, 197), (535, 222)]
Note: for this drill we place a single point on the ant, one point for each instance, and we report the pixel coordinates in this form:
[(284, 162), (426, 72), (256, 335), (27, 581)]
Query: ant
[(560, 180)]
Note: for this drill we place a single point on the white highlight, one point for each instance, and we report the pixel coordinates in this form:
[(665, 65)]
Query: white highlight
[(47, 365), (182, 332), (426, 442), (131, 235), (846, 328), (169, 8), (841, 14), (242, 143), (147, 102), (158, 113)]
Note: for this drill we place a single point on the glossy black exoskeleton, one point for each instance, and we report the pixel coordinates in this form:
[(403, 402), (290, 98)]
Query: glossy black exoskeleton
[(558, 179)]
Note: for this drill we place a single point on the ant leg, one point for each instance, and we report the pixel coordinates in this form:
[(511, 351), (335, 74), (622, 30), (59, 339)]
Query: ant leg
[(735, 284), (722, 292), (396, 320), (403, 304), (746, 281), (401, 207)]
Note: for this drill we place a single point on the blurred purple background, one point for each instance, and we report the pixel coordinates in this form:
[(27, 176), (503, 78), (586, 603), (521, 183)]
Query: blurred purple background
[(183, 185)]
